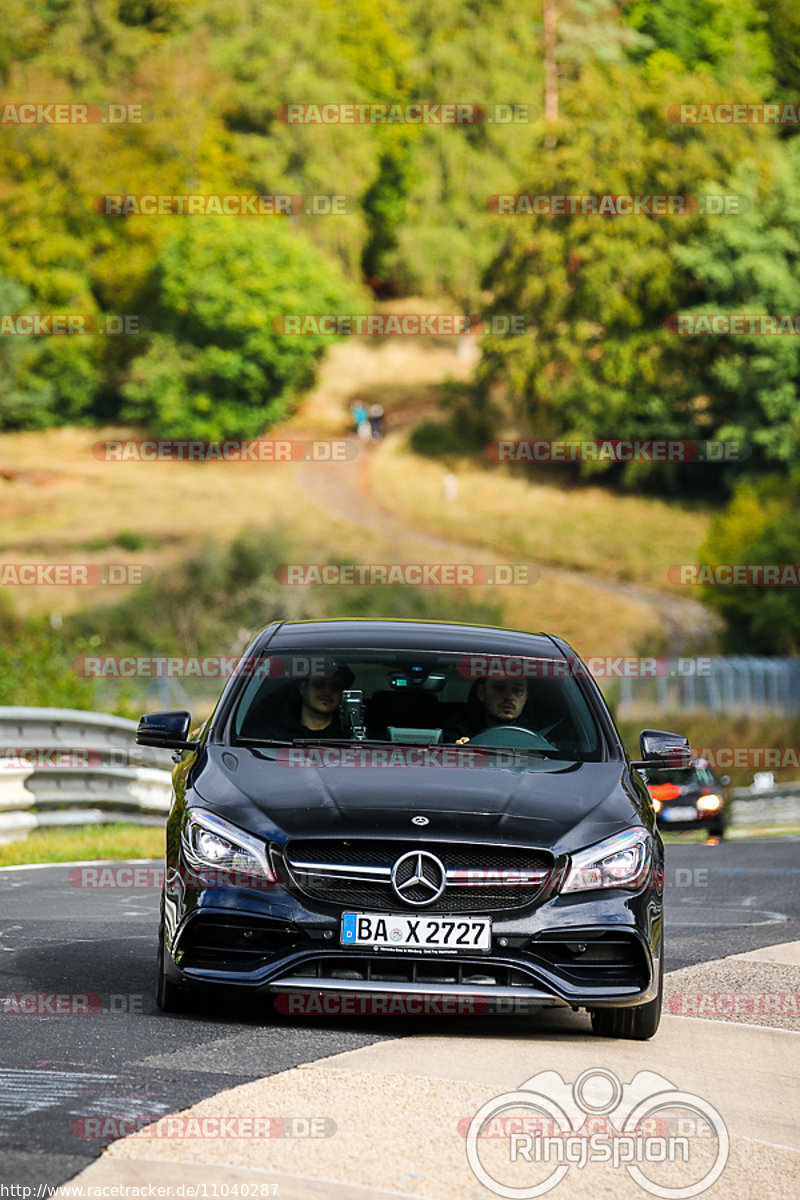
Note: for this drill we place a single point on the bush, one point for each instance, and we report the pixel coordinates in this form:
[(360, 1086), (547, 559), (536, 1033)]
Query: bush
[(217, 367), (759, 525)]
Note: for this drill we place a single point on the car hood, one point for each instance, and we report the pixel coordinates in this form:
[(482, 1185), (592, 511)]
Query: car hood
[(558, 805)]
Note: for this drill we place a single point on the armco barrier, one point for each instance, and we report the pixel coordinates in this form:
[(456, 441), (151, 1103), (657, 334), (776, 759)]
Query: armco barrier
[(63, 766), (125, 782), (779, 805)]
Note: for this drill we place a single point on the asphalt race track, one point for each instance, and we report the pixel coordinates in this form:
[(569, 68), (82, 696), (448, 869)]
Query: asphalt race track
[(126, 1061)]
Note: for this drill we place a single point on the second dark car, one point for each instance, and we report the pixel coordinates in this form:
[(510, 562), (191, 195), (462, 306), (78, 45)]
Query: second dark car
[(689, 798)]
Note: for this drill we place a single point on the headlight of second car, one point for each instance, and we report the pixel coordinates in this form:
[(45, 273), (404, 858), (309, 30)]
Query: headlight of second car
[(211, 844), (710, 802), (621, 861)]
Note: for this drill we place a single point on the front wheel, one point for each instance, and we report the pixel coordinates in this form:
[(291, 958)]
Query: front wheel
[(170, 997), (639, 1023)]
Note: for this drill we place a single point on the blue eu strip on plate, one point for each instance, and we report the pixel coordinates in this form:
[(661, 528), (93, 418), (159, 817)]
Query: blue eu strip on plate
[(348, 927)]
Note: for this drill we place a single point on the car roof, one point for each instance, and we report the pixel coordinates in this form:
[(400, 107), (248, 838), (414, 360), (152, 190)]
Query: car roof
[(368, 633)]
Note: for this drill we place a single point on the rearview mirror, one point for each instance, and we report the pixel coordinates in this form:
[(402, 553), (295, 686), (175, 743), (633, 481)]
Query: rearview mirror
[(167, 730), (661, 749)]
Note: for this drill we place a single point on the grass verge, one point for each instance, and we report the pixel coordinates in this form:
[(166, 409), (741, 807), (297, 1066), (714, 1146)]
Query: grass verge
[(85, 842)]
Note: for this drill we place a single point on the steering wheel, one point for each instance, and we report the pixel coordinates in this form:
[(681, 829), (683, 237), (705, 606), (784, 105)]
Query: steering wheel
[(522, 738)]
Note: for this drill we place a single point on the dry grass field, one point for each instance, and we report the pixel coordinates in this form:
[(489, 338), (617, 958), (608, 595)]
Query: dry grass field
[(601, 572)]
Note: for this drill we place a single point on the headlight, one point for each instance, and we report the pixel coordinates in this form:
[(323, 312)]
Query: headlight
[(621, 861), (709, 803), (657, 806), (211, 844)]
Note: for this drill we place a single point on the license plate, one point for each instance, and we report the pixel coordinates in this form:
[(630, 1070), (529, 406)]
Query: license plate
[(682, 813), (416, 933)]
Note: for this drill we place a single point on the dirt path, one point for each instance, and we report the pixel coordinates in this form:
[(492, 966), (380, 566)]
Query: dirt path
[(343, 489), (404, 376)]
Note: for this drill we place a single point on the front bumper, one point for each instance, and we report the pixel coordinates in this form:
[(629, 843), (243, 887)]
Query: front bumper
[(586, 950)]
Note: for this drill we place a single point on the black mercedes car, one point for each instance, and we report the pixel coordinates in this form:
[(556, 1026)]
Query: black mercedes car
[(409, 816)]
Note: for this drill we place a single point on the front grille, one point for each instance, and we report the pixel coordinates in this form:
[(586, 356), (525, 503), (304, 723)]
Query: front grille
[(444, 972), (593, 958), (357, 873)]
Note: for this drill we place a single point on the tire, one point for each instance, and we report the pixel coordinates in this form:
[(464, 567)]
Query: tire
[(170, 997), (638, 1023)]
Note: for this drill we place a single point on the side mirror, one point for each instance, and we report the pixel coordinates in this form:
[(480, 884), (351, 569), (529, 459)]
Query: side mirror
[(661, 749), (167, 730)]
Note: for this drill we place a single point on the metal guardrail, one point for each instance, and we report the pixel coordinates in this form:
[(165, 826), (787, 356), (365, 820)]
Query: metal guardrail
[(728, 684), (70, 767), (61, 766), (779, 805)]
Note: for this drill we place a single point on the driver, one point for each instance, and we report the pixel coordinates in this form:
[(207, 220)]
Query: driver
[(499, 701)]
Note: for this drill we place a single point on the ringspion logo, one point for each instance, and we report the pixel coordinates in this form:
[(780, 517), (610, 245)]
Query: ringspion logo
[(648, 1123)]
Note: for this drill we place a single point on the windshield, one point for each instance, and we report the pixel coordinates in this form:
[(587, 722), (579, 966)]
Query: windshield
[(419, 698)]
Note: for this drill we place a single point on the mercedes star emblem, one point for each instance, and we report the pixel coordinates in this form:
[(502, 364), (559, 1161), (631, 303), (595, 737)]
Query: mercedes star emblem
[(418, 877), (420, 821)]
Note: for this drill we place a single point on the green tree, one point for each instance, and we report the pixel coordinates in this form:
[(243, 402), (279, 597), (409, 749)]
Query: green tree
[(751, 265), (601, 358), (217, 365), (760, 525), (25, 401), (783, 29), (722, 37)]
